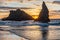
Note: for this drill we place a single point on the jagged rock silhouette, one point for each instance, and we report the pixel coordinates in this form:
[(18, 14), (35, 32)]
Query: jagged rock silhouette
[(18, 15), (44, 14)]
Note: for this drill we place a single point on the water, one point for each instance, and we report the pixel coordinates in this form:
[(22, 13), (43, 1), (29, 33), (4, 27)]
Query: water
[(33, 32)]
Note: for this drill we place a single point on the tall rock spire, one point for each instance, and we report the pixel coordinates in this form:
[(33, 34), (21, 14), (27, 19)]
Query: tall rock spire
[(44, 14)]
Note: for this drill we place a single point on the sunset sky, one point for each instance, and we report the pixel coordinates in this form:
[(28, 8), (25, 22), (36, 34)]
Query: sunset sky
[(32, 4)]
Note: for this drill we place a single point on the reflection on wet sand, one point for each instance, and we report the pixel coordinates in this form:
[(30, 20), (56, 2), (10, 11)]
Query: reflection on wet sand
[(31, 33), (6, 35), (28, 34), (45, 33)]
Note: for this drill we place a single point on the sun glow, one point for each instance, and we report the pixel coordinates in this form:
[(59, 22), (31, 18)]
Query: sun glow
[(35, 16), (33, 12)]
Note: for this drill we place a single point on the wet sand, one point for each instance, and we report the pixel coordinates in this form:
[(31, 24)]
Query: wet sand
[(31, 33)]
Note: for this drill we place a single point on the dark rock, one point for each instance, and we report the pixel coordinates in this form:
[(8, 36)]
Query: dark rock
[(18, 15), (44, 14)]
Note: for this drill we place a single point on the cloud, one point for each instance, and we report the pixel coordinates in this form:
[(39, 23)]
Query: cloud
[(49, 0)]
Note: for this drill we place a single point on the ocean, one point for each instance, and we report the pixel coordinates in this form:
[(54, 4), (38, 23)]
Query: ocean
[(29, 30)]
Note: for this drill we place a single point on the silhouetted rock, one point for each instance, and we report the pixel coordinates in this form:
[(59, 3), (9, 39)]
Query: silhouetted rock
[(44, 14), (18, 15)]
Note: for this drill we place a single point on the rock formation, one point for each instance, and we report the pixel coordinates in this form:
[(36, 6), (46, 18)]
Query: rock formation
[(18, 15), (44, 14)]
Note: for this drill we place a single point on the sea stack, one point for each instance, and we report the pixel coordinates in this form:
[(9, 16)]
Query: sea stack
[(18, 15), (44, 14)]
